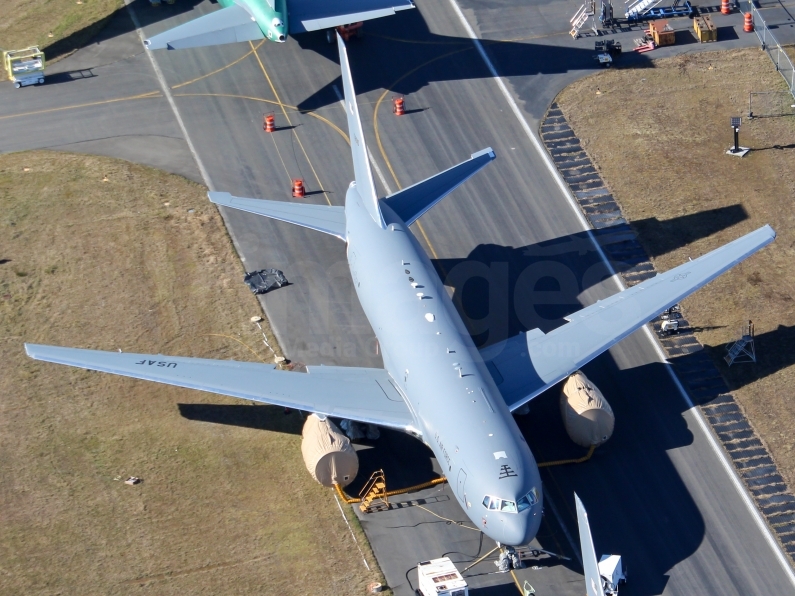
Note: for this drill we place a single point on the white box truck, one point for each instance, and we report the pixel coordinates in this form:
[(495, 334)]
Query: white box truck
[(440, 577)]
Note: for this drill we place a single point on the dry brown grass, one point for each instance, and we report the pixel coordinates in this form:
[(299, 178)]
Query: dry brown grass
[(223, 509), (658, 135), (30, 22)]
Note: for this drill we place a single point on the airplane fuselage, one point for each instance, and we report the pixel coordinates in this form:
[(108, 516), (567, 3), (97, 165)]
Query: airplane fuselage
[(271, 20), (429, 354)]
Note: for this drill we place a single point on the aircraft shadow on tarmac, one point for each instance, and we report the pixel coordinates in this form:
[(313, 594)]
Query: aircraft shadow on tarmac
[(501, 291), (638, 505), (395, 46), (117, 24)]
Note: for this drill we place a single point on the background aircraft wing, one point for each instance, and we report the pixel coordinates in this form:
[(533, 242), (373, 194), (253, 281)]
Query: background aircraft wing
[(312, 15), (228, 25), (593, 580), (361, 394), (534, 361)]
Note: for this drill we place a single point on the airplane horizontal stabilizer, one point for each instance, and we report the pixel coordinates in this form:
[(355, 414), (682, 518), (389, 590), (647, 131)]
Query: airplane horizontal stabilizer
[(540, 360), (313, 15), (361, 394), (228, 25), (323, 218), (412, 202)]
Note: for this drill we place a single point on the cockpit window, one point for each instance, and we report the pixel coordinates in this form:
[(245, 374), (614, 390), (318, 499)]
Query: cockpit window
[(505, 506), (528, 500), (495, 504), (508, 507)]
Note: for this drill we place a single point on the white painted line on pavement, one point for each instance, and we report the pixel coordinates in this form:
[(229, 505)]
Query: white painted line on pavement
[(746, 498), (202, 170), (167, 92)]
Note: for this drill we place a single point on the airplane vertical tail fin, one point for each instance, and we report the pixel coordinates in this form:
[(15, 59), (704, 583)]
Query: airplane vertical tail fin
[(593, 580), (361, 164)]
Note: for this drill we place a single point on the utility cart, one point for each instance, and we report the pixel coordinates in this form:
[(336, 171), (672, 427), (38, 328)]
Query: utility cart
[(24, 67), (439, 577)]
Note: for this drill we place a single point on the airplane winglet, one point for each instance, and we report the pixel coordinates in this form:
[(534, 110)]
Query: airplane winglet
[(361, 164)]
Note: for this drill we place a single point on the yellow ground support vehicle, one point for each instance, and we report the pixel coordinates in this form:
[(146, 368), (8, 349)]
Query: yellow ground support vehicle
[(24, 67)]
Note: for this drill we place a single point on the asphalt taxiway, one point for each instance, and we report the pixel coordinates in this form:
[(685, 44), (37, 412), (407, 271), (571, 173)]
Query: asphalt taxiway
[(658, 492)]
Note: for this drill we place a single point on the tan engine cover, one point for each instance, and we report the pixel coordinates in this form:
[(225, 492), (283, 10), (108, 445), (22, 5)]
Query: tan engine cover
[(328, 454), (588, 418)]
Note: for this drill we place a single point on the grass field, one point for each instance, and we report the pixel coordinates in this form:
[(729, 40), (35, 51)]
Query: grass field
[(104, 254), (70, 23), (658, 136)]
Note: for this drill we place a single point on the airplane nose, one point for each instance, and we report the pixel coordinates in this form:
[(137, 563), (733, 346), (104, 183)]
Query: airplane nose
[(521, 530)]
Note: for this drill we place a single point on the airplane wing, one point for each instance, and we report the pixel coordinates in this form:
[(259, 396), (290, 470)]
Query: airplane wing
[(312, 15), (361, 394), (228, 25), (532, 362)]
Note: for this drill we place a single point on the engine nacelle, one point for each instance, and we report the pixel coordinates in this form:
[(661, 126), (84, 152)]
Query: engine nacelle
[(587, 416), (328, 454)]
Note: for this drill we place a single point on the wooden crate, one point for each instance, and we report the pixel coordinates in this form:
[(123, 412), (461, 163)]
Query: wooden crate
[(705, 29), (662, 33)]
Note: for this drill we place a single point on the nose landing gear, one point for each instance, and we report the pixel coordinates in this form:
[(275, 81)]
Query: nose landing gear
[(508, 559)]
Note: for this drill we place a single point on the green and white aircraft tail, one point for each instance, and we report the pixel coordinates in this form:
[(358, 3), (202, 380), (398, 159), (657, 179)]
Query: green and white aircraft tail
[(251, 20)]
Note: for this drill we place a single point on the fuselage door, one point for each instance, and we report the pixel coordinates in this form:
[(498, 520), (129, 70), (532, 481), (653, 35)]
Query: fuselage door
[(462, 478)]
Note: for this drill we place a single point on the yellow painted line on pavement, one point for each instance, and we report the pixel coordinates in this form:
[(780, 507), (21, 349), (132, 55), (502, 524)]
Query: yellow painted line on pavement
[(419, 41), (84, 105), (463, 40), (243, 57), (411, 72), (275, 103), (516, 581), (284, 111), (378, 134)]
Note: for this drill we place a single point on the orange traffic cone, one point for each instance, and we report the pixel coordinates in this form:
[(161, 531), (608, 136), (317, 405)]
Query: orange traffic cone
[(724, 7), (398, 106), (298, 188), (748, 26), (268, 123)]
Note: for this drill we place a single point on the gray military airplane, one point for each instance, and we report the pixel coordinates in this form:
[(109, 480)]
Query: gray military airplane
[(435, 384)]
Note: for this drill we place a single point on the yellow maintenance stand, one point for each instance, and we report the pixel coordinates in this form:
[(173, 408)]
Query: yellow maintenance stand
[(24, 67)]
